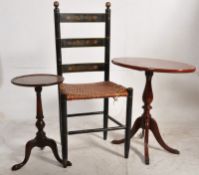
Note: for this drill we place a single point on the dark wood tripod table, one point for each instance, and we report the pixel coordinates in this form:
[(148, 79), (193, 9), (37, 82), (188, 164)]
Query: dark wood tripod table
[(146, 122), (38, 81)]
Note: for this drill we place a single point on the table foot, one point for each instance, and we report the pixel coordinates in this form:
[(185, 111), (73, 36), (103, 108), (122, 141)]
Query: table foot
[(118, 141), (30, 144), (147, 160), (66, 163), (155, 130), (52, 144), (153, 126), (39, 142), (136, 126)]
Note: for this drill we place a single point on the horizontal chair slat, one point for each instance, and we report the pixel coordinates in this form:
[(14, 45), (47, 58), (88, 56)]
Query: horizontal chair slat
[(95, 130), (80, 17), (86, 42), (83, 67), (85, 114), (115, 121)]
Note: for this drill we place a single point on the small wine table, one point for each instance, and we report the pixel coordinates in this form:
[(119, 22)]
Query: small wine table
[(38, 81), (146, 122)]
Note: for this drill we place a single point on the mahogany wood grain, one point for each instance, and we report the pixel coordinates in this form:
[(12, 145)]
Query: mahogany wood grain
[(146, 122), (34, 80), (154, 65), (41, 140)]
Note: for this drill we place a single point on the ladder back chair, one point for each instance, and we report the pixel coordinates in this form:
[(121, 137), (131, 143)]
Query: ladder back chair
[(84, 91)]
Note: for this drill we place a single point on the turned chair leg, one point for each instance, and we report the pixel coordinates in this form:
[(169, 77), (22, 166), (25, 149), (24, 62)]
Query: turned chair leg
[(128, 123), (64, 133), (105, 119)]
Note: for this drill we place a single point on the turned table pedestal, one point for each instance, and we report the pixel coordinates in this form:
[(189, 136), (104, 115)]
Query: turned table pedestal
[(37, 81), (145, 121)]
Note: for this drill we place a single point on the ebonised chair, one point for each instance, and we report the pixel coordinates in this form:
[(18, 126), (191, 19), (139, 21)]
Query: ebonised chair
[(103, 90)]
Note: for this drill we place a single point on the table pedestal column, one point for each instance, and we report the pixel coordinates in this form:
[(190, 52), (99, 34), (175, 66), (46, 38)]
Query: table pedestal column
[(146, 122), (40, 140)]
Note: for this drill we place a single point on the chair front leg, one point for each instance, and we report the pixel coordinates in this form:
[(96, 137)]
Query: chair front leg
[(105, 118), (128, 122), (64, 132)]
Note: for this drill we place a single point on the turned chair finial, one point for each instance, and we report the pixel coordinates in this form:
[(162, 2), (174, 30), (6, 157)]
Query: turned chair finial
[(56, 4), (108, 5)]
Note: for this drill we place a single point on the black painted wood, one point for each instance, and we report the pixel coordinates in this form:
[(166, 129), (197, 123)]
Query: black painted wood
[(115, 121), (65, 43), (83, 42), (107, 43), (84, 131), (57, 38), (83, 67), (85, 114), (81, 17)]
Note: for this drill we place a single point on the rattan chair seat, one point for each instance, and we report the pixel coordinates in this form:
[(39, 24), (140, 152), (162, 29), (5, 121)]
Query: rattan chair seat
[(92, 90)]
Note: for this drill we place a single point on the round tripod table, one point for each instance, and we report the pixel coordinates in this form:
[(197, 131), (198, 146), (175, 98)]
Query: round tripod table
[(146, 122), (38, 81)]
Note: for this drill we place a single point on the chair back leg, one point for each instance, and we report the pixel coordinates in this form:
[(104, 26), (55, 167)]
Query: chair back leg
[(105, 118), (128, 122)]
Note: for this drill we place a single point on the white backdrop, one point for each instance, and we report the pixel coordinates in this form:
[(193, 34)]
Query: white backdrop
[(146, 28)]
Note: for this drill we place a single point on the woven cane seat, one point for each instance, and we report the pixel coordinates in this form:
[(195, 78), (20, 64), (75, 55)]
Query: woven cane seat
[(92, 90)]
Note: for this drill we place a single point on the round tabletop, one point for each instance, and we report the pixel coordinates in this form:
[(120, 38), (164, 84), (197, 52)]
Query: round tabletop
[(34, 80), (154, 65)]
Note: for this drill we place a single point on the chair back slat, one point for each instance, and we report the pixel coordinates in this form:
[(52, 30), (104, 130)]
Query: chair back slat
[(83, 42), (80, 17), (63, 42), (89, 67)]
